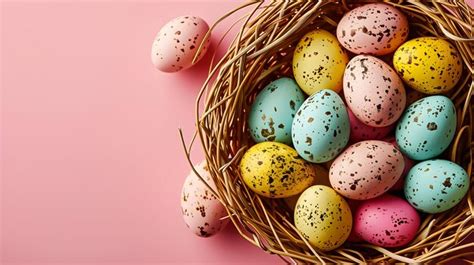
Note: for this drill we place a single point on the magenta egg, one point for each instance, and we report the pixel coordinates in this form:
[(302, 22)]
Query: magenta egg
[(386, 221), (361, 131)]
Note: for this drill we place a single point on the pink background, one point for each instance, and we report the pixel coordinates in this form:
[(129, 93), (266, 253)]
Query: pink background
[(92, 166)]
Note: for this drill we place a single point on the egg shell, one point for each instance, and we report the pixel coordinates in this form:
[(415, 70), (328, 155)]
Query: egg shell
[(319, 62), (408, 165), (321, 178), (321, 127), (323, 217), (274, 170), (177, 42), (361, 131), (353, 237), (427, 127), (386, 221), (376, 29), (373, 91), (273, 110), (366, 170), (202, 211), (434, 186), (430, 65)]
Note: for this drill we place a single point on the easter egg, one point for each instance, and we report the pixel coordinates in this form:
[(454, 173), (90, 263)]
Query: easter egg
[(373, 91), (430, 65), (202, 211), (427, 127), (177, 42), (366, 170), (319, 62), (361, 131), (408, 165), (434, 186), (273, 110), (322, 178), (375, 29), (321, 127), (323, 217), (386, 221), (274, 170)]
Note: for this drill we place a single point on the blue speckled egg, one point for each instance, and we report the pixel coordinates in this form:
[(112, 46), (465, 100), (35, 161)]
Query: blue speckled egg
[(436, 185), (321, 127), (427, 127), (273, 110)]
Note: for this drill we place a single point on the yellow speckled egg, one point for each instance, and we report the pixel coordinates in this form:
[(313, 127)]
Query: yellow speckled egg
[(319, 62), (430, 65), (323, 217), (274, 170)]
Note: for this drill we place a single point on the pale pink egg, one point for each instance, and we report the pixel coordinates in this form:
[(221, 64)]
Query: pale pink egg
[(366, 170), (408, 165), (376, 29), (373, 91), (177, 42), (386, 221), (202, 211), (361, 131)]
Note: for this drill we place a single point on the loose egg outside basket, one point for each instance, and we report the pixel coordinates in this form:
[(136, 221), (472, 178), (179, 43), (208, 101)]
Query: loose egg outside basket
[(261, 52)]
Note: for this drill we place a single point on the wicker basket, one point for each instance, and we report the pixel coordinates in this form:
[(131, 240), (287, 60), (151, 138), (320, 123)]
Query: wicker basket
[(261, 52)]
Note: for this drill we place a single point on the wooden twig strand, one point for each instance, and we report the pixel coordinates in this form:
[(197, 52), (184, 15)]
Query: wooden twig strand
[(262, 51)]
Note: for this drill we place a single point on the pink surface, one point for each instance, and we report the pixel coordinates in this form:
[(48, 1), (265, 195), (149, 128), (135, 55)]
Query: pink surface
[(92, 166)]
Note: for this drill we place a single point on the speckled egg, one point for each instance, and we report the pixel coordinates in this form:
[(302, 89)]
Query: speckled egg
[(430, 65), (322, 178), (408, 165), (361, 131), (321, 127), (375, 29), (386, 221), (323, 217), (319, 62), (202, 211), (373, 91), (434, 186), (273, 110), (366, 170), (177, 42), (274, 170), (427, 127)]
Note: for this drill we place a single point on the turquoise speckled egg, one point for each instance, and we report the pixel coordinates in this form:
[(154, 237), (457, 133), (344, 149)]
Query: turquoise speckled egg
[(273, 110), (427, 127), (321, 127), (436, 185)]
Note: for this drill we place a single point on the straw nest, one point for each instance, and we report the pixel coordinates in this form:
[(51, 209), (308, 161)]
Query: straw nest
[(261, 52)]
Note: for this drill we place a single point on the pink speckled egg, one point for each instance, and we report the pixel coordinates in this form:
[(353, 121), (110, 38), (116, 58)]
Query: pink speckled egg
[(375, 29), (408, 165), (366, 169), (353, 237), (361, 131), (386, 221), (202, 211), (373, 91), (177, 42)]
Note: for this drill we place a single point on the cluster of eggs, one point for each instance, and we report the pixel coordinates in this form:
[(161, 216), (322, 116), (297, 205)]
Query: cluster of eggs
[(347, 147), (341, 140)]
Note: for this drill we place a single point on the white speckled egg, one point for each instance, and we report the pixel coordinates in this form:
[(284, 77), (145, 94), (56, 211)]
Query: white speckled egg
[(373, 91), (366, 169), (376, 29), (177, 42), (202, 211), (321, 127)]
